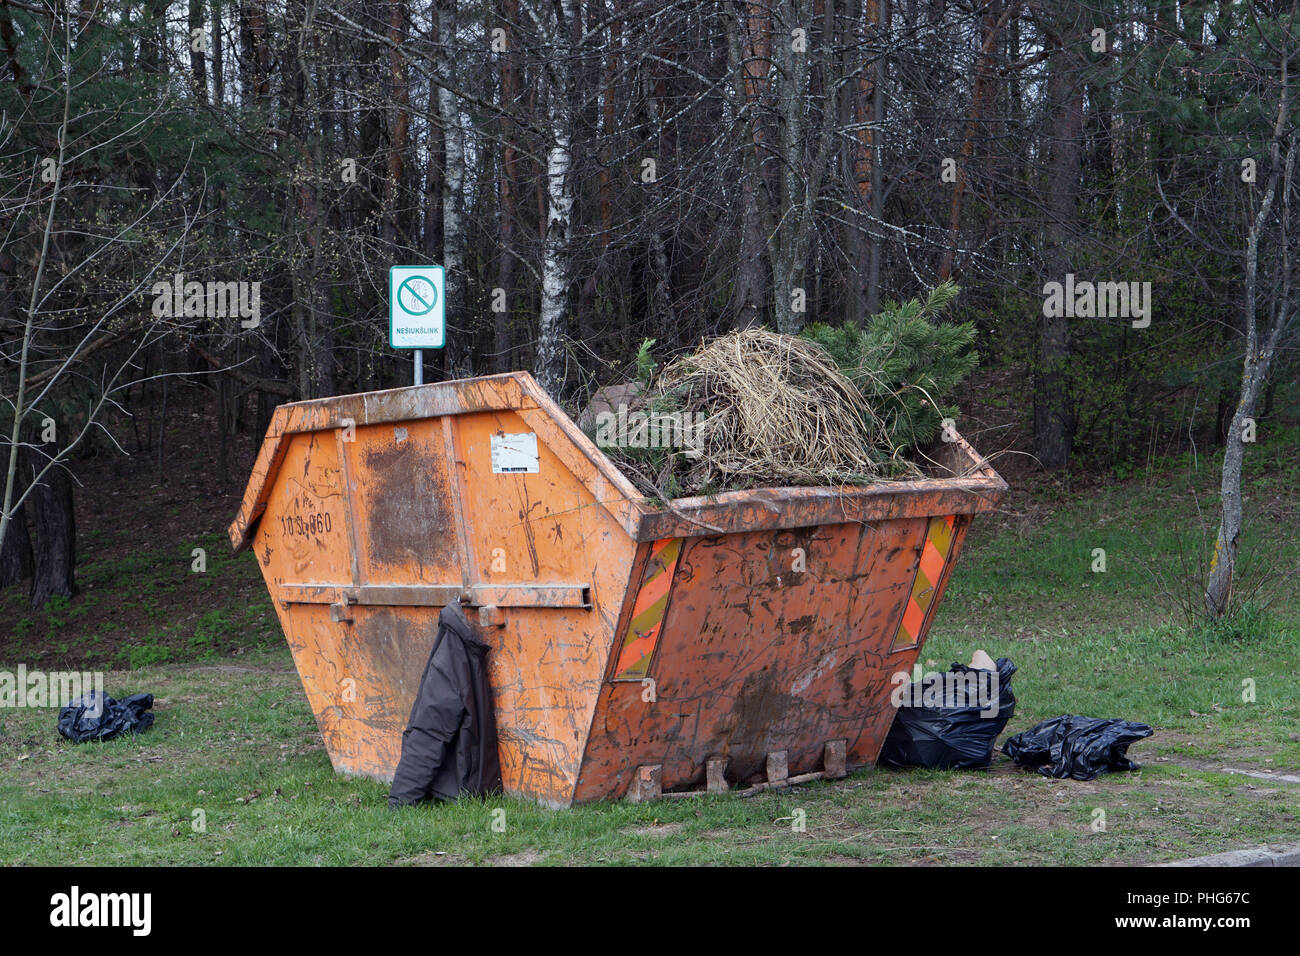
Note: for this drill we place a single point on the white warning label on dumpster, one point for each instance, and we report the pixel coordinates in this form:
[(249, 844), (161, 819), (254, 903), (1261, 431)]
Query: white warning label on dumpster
[(514, 454)]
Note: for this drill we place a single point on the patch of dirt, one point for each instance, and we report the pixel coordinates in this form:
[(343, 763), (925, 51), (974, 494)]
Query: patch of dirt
[(525, 858), (655, 830), (431, 858), (1231, 764), (1258, 759)]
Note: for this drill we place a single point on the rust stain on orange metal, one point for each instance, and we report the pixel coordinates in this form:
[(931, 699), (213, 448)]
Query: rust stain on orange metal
[(775, 611)]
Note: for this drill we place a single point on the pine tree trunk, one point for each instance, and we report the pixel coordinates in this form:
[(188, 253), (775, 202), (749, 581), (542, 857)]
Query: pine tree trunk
[(1053, 414), (55, 528), (508, 186), (752, 49), (198, 68), (15, 553), (16, 546)]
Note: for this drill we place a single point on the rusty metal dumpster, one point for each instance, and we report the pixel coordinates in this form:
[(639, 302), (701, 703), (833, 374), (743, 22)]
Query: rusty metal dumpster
[(638, 648)]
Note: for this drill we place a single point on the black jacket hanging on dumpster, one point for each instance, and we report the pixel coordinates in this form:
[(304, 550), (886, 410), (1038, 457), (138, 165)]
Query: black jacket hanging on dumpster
[(449, 747)]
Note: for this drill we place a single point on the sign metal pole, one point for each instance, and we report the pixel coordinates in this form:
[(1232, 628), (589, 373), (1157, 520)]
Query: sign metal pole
[(419, 366)]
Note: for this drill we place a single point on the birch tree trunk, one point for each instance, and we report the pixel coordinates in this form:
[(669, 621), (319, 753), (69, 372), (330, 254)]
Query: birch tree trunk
[(556, 254), (453, 225), (431, 240)]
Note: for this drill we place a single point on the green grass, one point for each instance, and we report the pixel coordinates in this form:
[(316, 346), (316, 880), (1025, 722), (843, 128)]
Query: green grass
[(1034, 576), (145, 607), (238, 749), (1118, 643), (237, 742)]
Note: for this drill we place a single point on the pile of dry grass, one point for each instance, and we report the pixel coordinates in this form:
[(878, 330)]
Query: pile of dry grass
[(771, 410)]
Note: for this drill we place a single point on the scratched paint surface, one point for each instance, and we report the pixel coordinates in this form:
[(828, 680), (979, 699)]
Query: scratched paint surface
[(756, 657), (303, 534), (361, 676), (361, 679), (753, 655), (303, 539), (547, 663)]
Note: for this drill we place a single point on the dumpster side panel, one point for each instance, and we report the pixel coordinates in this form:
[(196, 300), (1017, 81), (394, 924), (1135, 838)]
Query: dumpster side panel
[(541, 527), (368, 532), (772, 641), (303, 537)]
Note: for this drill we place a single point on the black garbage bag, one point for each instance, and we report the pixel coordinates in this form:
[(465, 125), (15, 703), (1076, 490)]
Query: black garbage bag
[(947, 721), (1076, 747), (99, 717)]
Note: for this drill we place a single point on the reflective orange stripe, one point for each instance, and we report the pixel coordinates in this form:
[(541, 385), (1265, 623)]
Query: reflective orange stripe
[(935, 549), (651, 591), (648, 611), (931, 562), (913, 617)]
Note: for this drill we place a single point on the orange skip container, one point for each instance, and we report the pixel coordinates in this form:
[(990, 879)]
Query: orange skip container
[(638, 649)]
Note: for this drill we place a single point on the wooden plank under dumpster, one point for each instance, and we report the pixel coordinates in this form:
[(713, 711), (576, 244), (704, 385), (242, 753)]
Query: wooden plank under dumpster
[(625, 633)]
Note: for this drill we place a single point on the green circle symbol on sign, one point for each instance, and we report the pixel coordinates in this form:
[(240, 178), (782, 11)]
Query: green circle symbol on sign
[(417, 296)]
